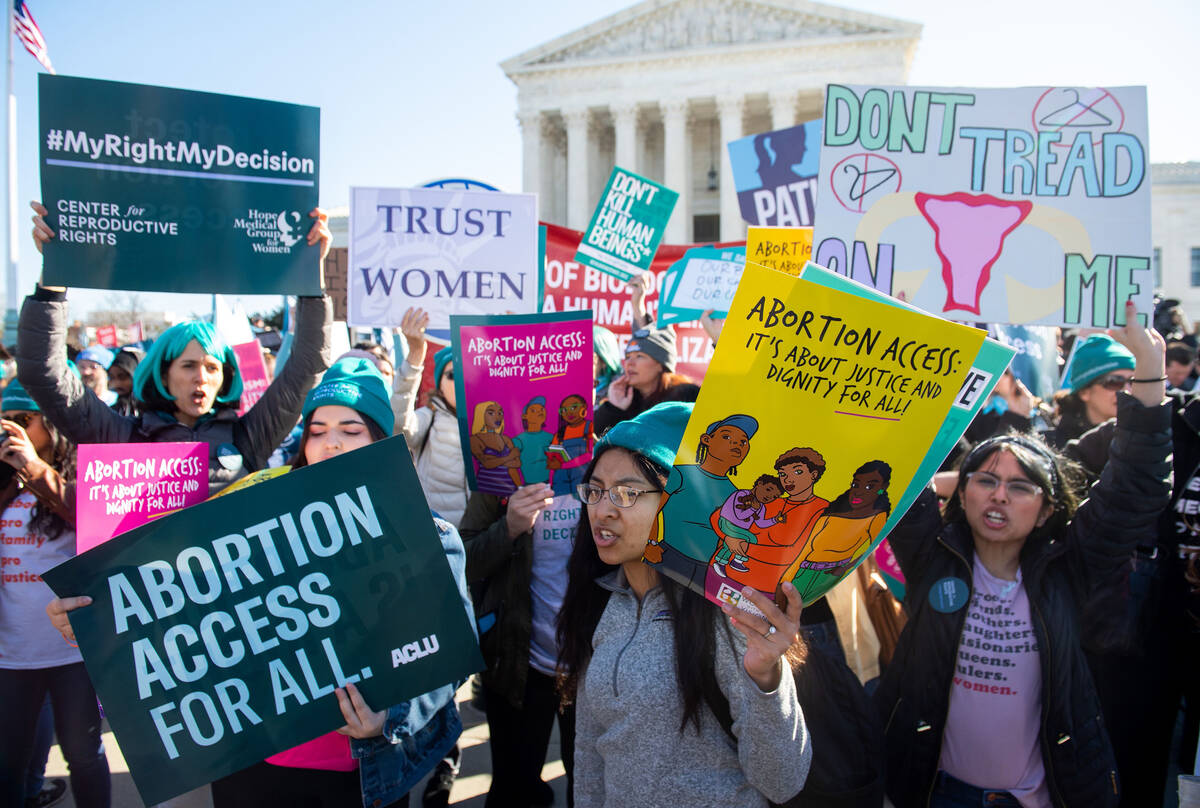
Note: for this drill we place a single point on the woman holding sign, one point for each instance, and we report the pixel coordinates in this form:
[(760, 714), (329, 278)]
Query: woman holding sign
[(672, 704), (379, 755), (989, 699), (188, 387), (38, 502)]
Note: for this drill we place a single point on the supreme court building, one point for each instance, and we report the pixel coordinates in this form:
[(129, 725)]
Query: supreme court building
[(662, 86)]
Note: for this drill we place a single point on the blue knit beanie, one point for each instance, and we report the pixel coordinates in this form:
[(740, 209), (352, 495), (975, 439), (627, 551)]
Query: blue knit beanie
[(355, 383), (96, 353), (1098, 355), (655, 433), (15, 398), (440, 359)]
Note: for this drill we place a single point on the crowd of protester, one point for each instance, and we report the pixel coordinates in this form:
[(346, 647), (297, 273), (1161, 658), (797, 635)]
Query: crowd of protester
[(1072, 518)]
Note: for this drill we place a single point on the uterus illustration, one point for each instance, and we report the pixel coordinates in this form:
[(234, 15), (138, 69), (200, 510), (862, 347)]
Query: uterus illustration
[(969, 233)]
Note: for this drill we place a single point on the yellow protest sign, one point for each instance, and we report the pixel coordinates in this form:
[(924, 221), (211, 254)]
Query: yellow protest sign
[(815, 414), (786, 249)]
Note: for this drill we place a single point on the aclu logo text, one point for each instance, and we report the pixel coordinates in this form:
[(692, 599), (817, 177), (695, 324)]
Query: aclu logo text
[(413, 651)]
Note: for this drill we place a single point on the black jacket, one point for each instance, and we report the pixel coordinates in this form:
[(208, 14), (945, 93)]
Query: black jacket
[(1072, 581), (499, 572), (42, 368)]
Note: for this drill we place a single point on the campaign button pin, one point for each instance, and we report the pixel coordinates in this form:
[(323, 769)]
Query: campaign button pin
[(949, 595)]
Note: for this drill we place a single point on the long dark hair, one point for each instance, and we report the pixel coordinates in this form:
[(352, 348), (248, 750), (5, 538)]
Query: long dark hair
[(882, 503), (1060, 479), (695, 619), (42, 520), (299, 461), (562, 422)]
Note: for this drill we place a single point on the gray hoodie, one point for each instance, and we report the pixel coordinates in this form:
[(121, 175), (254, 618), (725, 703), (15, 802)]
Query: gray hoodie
[(628, 747)]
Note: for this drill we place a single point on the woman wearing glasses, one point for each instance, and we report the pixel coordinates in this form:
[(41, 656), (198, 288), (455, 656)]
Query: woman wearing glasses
[(675, 705), (1100, 368), (989, 699)]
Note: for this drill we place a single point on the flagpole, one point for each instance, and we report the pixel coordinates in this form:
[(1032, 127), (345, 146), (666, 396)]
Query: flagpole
[(10, 176)]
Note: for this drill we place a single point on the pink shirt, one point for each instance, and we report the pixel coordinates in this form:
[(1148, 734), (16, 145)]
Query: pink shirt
[(991, 738), (329, 752)]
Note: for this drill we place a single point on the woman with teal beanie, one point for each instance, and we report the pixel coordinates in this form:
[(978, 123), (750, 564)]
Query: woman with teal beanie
[(188, 386), (675, 704), (1100, 368)]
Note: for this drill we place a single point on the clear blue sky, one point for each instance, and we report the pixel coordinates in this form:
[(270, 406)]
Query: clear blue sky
[(410, 92)]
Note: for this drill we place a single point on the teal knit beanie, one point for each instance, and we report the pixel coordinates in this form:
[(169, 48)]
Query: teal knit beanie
[(15, 398), (1098, 355), (355, 383), (440, 359), (655, 433)]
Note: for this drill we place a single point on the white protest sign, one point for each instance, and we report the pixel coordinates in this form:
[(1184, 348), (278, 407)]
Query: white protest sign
[(446, 251)]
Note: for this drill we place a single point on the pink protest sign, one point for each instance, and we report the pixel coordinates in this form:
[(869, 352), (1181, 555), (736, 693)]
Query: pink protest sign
[(123, 485), (254, 374), (524, 390)]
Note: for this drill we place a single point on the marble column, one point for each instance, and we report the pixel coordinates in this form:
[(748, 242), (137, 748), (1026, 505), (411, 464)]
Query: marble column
[(783, 109), (675, 169), (625, 129), (578, 212), (730, 110), (531, 155)]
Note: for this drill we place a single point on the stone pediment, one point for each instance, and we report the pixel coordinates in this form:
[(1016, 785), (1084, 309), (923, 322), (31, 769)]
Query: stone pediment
[(668, 27)]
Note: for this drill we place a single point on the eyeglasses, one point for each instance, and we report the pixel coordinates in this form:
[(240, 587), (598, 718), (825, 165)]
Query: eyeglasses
[(572, 407), (1115, 382), (623, 496), (1016, 490), (21, 419)]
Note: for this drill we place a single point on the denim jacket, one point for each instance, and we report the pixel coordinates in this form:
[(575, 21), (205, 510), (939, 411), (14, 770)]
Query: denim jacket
[(417, 733)]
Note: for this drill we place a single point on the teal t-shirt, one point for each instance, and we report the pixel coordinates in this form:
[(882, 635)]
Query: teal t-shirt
[(695, 494), (532, 446)]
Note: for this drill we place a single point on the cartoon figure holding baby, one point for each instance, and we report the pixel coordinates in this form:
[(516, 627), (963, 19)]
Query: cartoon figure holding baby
[(780, 533)]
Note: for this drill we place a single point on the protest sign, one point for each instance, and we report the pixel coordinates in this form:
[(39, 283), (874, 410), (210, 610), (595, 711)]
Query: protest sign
[(1025, 205), (165, 190), (824, 403), (253, 369), (446, 251), (1036, 361), (524, 387), (786, 249), (217, 634), (571, 286), (775, 175), (705, 278), (120, 486), (627, 225)]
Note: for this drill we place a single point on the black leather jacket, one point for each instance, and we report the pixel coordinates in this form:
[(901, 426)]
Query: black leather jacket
[(1073, 582)]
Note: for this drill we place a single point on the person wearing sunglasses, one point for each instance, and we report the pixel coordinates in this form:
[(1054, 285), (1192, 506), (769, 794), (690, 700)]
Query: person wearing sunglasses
[(675, 703), (1100, 368), (989, 699)]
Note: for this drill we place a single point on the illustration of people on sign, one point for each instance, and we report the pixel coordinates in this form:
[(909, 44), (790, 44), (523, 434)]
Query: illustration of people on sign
[(499, 462), (682, 540), (738, 517), (534, 441), (571, 449), (778, 544), (845, 531)]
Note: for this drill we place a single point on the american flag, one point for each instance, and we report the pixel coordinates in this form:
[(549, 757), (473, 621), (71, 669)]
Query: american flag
[(30, 35)]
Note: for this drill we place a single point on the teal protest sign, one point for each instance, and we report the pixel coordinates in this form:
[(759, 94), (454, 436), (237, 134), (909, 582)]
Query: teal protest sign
[(157, 189), (627, 225), (217, 634)]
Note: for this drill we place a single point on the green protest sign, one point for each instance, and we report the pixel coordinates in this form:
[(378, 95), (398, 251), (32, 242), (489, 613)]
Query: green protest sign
[(627, 226), (217, 634), (165, 190)]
